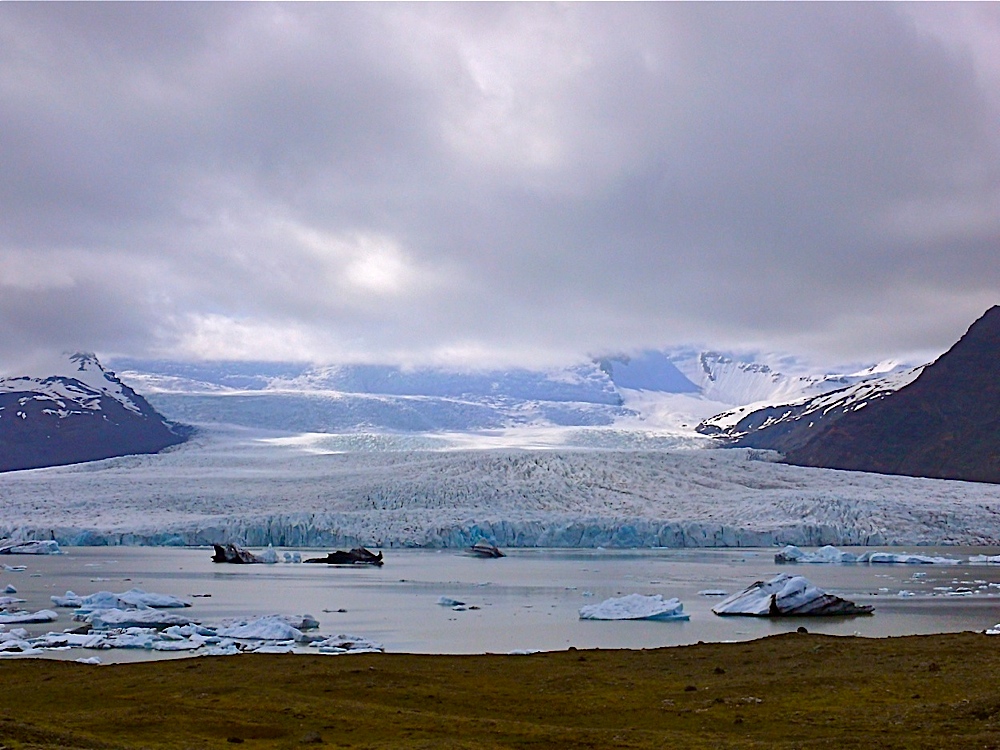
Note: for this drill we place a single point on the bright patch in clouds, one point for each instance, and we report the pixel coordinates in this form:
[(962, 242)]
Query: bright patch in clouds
[(514, 182)]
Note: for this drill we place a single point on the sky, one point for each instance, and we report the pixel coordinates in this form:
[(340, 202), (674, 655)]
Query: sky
[(496, 184)]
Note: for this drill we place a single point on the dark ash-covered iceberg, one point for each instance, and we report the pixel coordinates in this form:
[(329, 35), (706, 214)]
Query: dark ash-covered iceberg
[(787, 596)]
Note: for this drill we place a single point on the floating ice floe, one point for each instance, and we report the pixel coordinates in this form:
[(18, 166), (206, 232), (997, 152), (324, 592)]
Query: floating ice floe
[(14, 568), (635, 607), (267, 634), (268, 628), (131, 599), (827, 554), (9, 589), (984, 559), (713, 592), (25, 617), (32, 547), (830, 554), (106, 619), (785, 596), (6, 601), (447, 601), (347, 644), (892, 557)]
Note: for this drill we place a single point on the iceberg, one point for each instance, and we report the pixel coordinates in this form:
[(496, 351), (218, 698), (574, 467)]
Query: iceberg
[(787, 596), (105, 619), (984, 559), (32, 547), (269, 628), (144, 629), (6, 601), (131, 599), (892, 557), (826, 554), (635, 607), (347, 644), (25, 617)]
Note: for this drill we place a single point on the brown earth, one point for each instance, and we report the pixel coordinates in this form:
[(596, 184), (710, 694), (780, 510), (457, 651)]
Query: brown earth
[(791, 691)]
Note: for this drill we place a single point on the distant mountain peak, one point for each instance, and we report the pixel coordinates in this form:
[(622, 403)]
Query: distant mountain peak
[(82, 412), (940, 421)]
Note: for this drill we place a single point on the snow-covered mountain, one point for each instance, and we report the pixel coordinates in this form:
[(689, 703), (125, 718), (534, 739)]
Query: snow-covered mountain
[(633, 397), (780, 420), (941, 420), (747, 379), (81, 412), (376, 398)]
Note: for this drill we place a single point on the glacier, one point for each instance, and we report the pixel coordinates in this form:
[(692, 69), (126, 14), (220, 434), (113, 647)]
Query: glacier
[(258, 488)]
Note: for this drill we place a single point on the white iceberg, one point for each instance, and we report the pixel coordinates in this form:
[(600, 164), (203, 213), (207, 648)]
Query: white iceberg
[(266, 628), (24, 617), (892, 557), (104, 619), (347, 644), (984, 559), (827, 554), (635, 607), (131, 599), (33, 547), (6, 601), (9, 589), (785, 596), (268, 556)]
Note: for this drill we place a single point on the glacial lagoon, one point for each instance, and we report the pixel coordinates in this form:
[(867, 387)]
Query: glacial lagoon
[(527, 601)]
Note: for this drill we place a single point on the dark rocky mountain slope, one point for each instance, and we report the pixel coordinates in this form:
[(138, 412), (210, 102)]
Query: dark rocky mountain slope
[(944, 423), (85, 415)]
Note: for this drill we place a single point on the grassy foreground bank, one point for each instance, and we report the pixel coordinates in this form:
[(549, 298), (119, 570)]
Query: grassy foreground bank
[(789, 691)]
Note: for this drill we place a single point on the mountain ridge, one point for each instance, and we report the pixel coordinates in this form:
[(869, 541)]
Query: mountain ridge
[(86, 414), (942, 423)]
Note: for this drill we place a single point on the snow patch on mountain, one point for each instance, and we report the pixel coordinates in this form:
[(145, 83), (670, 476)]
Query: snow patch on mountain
[(78, 379), (739, 422)]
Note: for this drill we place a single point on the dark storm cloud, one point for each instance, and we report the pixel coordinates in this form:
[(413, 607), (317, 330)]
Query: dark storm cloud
[(511, 181)]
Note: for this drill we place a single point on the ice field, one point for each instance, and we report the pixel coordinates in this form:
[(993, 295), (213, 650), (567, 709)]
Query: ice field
[(384, 491)]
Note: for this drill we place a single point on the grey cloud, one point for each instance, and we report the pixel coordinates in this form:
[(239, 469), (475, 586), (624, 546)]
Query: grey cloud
[(523, 178)]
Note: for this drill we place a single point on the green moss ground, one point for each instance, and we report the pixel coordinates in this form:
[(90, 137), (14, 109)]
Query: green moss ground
[(792, 691)]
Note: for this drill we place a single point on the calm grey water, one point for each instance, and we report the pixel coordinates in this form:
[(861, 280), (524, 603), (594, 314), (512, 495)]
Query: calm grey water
[(528, 600)]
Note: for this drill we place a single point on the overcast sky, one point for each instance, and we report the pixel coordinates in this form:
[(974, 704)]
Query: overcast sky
[(496, 184)]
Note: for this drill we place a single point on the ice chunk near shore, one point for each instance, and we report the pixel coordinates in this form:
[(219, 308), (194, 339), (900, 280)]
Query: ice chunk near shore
[(269, 628), (827, 554), (347, 644), (892, 557), (25, 617), (635, 607), (787, 596), (32, 547)]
